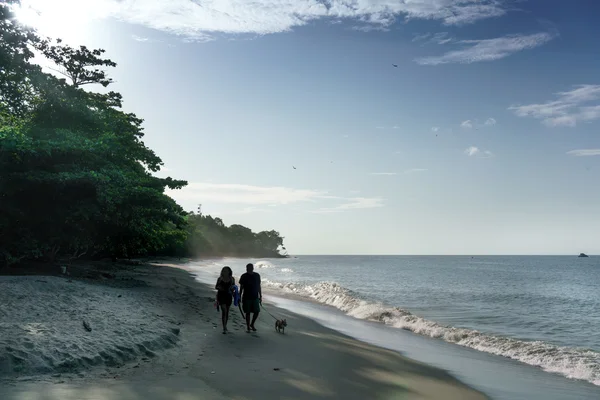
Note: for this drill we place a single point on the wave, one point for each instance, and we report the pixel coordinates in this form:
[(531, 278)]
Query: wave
[(574, 363), (287, 270), (263, 264)]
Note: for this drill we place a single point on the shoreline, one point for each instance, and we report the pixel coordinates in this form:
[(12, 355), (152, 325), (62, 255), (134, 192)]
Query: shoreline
[(308, 361)]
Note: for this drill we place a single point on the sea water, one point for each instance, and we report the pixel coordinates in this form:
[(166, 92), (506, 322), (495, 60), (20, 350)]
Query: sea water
[(540, 312)]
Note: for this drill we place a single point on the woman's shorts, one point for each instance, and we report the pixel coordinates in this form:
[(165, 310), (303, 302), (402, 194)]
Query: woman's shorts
[(224, 299)]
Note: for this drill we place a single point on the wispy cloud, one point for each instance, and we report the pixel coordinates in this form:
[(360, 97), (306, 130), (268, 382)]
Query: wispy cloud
[(473, 151), (244, 194), (415, 170), (250, 210), (355, 203), (470, 124), (139, 38), (435, 129), (255, 197), (584, 152), (435, 38), (581, 104), (384, 173), (197, 20), (144, 39), (488, 49)]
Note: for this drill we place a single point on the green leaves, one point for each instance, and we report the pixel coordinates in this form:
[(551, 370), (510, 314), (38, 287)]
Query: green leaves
[(75, 175), (208, 236)]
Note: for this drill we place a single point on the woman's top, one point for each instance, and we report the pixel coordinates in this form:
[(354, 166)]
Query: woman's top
[(225, 286)]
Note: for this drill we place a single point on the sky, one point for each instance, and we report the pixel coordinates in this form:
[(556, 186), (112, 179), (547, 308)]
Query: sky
[(366, 126)]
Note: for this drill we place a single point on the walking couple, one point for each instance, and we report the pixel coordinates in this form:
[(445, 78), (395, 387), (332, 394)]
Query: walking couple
[(250, 294)]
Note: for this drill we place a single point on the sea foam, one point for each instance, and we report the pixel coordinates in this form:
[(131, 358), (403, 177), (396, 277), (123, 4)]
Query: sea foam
[(575, 363)]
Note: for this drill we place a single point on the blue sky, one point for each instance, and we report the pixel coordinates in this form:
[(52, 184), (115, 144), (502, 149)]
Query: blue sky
[(483, 140)]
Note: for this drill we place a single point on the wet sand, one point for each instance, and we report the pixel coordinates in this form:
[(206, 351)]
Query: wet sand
[(308, 361)]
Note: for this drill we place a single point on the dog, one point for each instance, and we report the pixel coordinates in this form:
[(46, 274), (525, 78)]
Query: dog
[(280, 325)]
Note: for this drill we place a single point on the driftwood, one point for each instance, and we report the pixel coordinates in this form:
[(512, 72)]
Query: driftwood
[(78, 253)]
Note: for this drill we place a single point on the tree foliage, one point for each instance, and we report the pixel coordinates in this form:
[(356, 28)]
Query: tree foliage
[(75, 176), (208, 236)]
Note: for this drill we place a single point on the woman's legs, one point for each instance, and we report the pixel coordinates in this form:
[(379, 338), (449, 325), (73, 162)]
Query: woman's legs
[(226, 319), (224, 312)]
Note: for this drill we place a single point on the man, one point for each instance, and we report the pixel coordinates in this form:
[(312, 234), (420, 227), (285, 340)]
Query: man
[(251, 295)]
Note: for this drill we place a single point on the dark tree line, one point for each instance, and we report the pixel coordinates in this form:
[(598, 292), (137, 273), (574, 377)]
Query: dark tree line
[(208, 236), (75, 176)]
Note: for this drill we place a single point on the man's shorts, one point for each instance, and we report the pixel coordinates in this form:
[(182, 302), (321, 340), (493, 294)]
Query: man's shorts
[(251, 306)]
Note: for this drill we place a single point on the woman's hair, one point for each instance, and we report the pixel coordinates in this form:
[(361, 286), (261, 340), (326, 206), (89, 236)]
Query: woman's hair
[(226, 272)]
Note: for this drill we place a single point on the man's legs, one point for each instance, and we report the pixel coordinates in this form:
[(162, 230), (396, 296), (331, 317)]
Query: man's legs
[(248, 321), (256, 309), (254, 318)]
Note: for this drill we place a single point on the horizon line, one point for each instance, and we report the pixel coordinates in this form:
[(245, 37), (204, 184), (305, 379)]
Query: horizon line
[(444, 255)]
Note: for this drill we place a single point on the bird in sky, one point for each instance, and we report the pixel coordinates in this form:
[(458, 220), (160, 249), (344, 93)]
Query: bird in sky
[(293, 167), (395, 65)]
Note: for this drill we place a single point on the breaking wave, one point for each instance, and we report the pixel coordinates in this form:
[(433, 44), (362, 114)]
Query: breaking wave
[(263, 264), (574, 363)]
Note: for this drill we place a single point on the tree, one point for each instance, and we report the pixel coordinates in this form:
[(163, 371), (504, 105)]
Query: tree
[(208, 236), (81, 65), (17, 74), (75, 176)]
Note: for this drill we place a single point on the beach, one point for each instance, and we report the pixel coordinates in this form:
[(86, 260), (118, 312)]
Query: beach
[(154, 333)]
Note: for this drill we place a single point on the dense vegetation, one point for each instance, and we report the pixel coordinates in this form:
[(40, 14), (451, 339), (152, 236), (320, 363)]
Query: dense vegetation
[(76, 180)]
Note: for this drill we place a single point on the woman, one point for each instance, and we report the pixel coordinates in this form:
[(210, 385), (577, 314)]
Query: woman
[(224, 287)]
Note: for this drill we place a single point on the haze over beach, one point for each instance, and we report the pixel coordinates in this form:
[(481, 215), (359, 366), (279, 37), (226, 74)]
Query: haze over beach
[(482, 141), (402, 192)]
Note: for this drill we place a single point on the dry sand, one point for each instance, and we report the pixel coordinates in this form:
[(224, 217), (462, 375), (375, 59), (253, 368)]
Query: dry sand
[(156, 335)]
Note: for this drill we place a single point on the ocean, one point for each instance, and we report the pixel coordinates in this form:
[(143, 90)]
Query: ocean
[(534, 320)]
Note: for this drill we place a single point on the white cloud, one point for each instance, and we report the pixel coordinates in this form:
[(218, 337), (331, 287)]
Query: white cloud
[(422, 37), (144, 39), (567, 109), (436, 38), (355, 203), (584, 152), (383, 173), (267, 196), (488, 49), (139, 38), (415, 170), (249, 210), (435, 128), (244, 194), (473, 151), (197, 20), (470, 124)]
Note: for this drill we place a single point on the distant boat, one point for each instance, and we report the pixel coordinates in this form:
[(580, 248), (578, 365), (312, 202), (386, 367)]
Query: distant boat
[(583, 255)]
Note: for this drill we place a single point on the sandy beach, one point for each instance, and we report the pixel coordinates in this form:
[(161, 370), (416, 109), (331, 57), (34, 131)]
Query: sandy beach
[(150, 331)]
